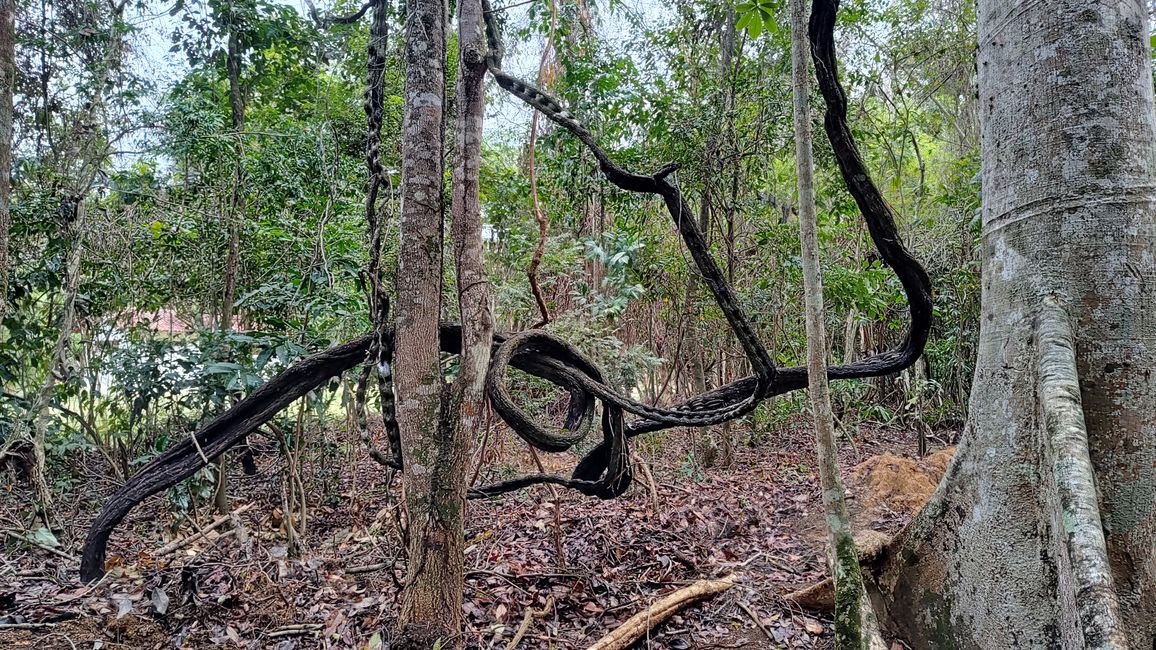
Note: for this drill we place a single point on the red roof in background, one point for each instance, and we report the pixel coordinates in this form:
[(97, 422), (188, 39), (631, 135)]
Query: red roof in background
[(166, 321)]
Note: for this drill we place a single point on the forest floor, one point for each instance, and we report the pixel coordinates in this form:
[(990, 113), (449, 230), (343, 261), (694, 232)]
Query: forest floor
[(759, 518)]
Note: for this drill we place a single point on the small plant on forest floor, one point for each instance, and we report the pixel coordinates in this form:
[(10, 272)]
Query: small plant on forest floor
[(691, 468)]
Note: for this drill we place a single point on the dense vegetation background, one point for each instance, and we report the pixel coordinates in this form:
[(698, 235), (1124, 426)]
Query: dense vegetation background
[(137, 177), (188, 219)]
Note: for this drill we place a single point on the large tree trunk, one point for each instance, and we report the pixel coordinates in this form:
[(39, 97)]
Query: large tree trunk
[(433, 458), (7, 83), (1008, 552)]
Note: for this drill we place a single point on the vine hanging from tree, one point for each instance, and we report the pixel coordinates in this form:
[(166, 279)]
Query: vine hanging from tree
[(605, 471)]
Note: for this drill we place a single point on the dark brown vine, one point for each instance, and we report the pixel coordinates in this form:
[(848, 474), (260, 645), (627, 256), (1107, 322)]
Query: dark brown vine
[(605, 471)]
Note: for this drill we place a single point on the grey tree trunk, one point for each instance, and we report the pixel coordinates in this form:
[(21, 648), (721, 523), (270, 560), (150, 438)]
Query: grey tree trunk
[(432, 454), (1043, 533), (855, 627), (466, 413), (474, 300)]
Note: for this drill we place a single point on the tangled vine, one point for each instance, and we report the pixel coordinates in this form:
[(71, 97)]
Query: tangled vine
[(605, 471)]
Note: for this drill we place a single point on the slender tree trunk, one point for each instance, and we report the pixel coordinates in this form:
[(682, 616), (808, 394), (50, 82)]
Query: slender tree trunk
[(1012, 548), (237, 207), (236, 223), (855, 626), (433, 459), (545, 74), (85, 155), (7, 83), (474, 298), (467, 413), (59, 360)]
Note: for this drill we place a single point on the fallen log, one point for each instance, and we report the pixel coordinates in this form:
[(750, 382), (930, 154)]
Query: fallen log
[(638, 625)]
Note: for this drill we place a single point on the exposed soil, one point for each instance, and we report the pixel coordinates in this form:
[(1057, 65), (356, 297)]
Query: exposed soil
[(759, 518)]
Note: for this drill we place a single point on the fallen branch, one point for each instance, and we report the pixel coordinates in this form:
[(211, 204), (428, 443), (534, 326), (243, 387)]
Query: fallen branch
[(301, 629), (26, 626), (367, 568), (641, 623), (527, 619), (178, 544), (29, 540), (820, 597), (755, 618)]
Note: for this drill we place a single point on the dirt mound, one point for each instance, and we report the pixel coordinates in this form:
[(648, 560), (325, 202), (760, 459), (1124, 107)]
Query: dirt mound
[(899, 484)]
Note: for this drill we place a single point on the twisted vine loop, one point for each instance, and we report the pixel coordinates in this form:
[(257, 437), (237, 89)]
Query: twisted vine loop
[(605, 471)]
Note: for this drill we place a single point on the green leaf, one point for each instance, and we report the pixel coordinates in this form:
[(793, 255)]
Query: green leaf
[(44, 537), (263, 358), (754, 25), (222, 368)]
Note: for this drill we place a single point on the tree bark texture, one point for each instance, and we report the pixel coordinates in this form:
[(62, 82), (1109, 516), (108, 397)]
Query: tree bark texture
[(466, 412), (851, 628), (474, 300), (432, 479), (1006, 552), (7, 84), (236, 223)]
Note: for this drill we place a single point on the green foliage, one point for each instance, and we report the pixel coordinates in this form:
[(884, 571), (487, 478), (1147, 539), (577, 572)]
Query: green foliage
[(757, 16), (705, 85)]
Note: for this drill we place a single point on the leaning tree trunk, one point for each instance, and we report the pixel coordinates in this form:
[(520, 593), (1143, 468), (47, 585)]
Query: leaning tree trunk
[(1043, 533), (432, 459)]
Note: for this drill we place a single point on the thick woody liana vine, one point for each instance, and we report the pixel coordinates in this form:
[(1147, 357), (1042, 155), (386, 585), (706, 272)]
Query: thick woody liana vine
[(605, 471), (378, 362)]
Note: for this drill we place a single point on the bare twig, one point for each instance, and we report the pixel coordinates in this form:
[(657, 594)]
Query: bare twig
[(29, 540), (526, 620), (327, 21), (26, 626), (301, 629), (559, 548), (755, 617), (176, 545)]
